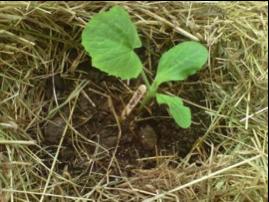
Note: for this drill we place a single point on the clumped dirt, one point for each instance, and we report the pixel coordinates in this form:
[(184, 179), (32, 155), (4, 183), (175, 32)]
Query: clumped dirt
[(143, 134)]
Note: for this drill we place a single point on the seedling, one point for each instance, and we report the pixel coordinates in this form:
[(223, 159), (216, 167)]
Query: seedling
[(110, 39)]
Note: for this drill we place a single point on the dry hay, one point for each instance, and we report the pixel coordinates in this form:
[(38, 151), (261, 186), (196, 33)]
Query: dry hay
[(228, 163)]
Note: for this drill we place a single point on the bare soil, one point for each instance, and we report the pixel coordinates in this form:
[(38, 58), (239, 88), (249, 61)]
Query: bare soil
[(147, 133)]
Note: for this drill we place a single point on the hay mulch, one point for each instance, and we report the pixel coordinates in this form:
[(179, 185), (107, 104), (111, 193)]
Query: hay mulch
[(55, 120)]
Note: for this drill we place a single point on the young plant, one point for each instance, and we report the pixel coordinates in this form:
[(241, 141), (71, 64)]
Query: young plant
[(110, 39)]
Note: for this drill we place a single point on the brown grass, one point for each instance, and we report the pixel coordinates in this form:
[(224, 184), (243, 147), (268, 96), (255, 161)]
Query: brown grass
[(36, 42)]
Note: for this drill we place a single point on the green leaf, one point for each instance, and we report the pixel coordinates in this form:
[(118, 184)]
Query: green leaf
[(109, 38), (180, 113), (180, 62)]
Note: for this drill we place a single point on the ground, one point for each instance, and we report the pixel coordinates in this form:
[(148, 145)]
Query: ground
[(60, 134), (142, 130)]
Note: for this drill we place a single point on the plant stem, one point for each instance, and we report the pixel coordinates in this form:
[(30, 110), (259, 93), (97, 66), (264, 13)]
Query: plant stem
[(146, 100), (145, 78), (151, 92)]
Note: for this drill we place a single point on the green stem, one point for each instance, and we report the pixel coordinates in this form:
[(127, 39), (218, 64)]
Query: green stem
[(145, 78), (151, 92)]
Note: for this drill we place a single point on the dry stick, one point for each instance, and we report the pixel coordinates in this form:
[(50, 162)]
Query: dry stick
[(138, 94), (177, 28), (255, 113), (111, 106), (202, 178), (21, 39), (10, 173), (18, 142)]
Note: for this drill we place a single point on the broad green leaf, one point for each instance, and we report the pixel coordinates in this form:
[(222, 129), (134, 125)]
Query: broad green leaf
[(180, 113), (109, 38), (180, 62)]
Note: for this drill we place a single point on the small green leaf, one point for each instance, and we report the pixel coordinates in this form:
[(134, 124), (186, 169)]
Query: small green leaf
[(180, 62), (109, 38), (180, 113)]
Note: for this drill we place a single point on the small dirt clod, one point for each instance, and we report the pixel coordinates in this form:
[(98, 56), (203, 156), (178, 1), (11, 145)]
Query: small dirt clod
[(109, 142), (148, 137), (54, 130)]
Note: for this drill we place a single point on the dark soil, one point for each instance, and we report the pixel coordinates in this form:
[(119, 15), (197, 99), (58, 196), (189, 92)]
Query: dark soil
[(144, 134)]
